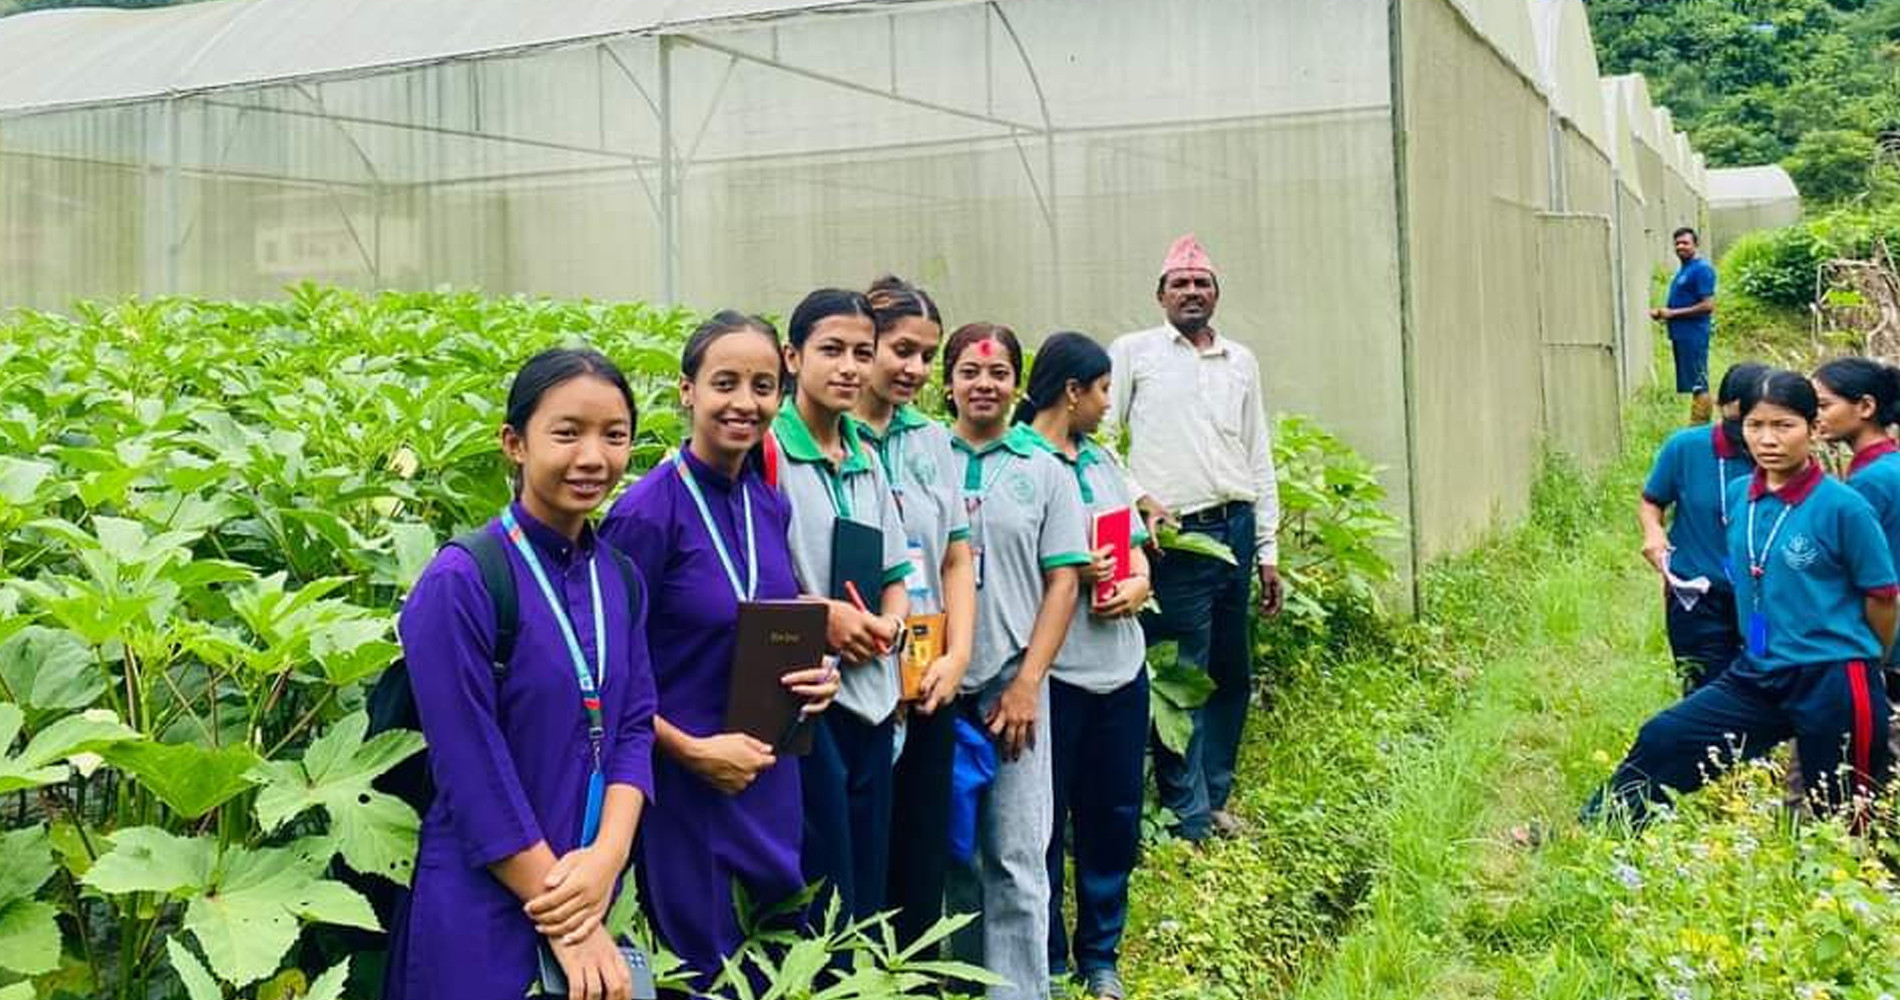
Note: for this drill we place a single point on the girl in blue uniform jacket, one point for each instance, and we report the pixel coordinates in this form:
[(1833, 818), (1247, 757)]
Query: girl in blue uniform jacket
[(1689, 481), (541, 773), (1859, 399), (1815, 603)]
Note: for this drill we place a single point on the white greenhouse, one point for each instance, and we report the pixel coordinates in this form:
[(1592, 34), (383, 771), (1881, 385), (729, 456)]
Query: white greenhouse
[(1433, 220)]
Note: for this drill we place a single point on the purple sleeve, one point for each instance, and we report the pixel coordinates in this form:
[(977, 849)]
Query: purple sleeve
[(447, 629), (630, 760), (637, 526)]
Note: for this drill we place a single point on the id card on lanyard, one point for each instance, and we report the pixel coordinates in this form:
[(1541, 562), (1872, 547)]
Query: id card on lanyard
[(976, 490), (589, 682), (1757, 626)]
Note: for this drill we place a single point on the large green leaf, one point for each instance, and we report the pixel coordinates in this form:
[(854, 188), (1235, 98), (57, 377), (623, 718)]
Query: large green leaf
[(191, 779), (26, 862), (47, 668), (29, 937), (41, 762), (147, 859), (414, 546), (354, 648), (198, 983), (17, 991), (328, 986), (1176, 540), (1175, 691), (249, 918), (29, 934), (21, 479), (375, 831)]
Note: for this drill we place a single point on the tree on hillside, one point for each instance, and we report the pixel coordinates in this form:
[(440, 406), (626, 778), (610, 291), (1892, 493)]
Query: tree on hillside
[(1808, 83)]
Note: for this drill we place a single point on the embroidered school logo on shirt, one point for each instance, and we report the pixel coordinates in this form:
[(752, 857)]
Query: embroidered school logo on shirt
[(1020, 488), (1800, 553), (923, 469)]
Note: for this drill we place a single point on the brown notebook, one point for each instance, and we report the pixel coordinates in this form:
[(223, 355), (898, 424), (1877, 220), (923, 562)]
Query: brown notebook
[(775, 638)]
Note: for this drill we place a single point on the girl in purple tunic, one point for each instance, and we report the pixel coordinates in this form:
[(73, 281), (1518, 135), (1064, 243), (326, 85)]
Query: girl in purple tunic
[(523, 761), (707, 531)]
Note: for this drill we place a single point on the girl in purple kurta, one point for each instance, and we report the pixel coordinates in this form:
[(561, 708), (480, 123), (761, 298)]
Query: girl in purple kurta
[(503, 864), (707, 531)]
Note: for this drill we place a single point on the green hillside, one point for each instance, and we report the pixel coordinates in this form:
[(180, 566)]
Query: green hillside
[(1811, 84)]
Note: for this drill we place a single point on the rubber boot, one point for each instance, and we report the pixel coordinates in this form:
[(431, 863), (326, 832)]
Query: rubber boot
[(1701, 408)]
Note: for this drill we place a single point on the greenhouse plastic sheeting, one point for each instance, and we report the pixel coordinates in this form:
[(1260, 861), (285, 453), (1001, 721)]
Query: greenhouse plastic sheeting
[(1028, 162), (1475, 179), (1567, 64), (1745, 199)]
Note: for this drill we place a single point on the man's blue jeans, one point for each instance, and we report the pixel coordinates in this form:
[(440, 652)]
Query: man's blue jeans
[(1207, 609)]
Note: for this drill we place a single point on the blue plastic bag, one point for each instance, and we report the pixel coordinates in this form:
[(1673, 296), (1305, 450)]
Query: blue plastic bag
[(971, 772)]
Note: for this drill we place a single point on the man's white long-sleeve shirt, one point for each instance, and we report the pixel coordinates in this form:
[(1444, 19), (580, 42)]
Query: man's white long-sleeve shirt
[(1197, 427)]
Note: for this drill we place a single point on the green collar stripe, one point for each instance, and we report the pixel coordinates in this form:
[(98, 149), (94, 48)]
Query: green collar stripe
[(1086, 454), (795, 440)]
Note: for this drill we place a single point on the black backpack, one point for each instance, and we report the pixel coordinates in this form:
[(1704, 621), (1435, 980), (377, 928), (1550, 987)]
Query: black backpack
[(392, 702)]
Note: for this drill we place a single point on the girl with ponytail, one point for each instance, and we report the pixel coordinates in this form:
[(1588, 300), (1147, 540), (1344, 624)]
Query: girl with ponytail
[(918, 461), (1859, 400), (1098, 688)]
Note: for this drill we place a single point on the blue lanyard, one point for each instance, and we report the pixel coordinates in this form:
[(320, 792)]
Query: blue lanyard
[(751, 587), (1758, 565), (589, 682)]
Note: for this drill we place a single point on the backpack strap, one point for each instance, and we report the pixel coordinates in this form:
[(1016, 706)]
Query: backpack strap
[(769, 457), (629, 576), (498, 578)]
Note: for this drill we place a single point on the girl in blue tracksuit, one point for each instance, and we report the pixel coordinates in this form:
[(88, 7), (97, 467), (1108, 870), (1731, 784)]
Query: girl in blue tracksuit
[(1815, 603)]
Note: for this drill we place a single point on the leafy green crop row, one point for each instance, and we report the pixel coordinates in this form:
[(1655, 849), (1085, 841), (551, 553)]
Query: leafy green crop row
[(209, 511)]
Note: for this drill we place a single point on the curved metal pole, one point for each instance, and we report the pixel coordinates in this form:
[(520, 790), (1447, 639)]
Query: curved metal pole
[(1049, 212)]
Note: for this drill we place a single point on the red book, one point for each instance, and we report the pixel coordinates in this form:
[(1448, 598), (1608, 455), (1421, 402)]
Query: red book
[(1115, 529)]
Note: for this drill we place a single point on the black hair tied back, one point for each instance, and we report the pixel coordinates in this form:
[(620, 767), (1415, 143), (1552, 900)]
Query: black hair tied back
[(1854, 379), (1063, 358)]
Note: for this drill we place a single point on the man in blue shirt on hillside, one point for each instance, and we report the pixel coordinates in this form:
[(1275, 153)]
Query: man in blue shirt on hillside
[(1689, 308)]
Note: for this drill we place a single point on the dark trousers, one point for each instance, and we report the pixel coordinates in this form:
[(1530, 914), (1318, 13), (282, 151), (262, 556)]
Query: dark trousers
[(1206, 607), (920, 824), (1099, 753), (1836, 712), (847, 792), (1704, 639)]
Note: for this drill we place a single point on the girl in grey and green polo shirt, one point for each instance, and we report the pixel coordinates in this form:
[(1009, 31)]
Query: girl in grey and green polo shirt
[(1098, 692), (926, 476), (831, 476), (1028, 538)]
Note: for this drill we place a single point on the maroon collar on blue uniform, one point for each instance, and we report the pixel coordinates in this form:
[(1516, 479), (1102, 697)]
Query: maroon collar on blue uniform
[(1866, 456), (1724, 448), (1791, 492)]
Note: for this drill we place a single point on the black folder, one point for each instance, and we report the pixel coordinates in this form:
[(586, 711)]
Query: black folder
[(857, 555), (774, 638)]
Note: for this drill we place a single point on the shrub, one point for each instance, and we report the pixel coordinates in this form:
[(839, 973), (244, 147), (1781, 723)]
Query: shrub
[(1728, 898)]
